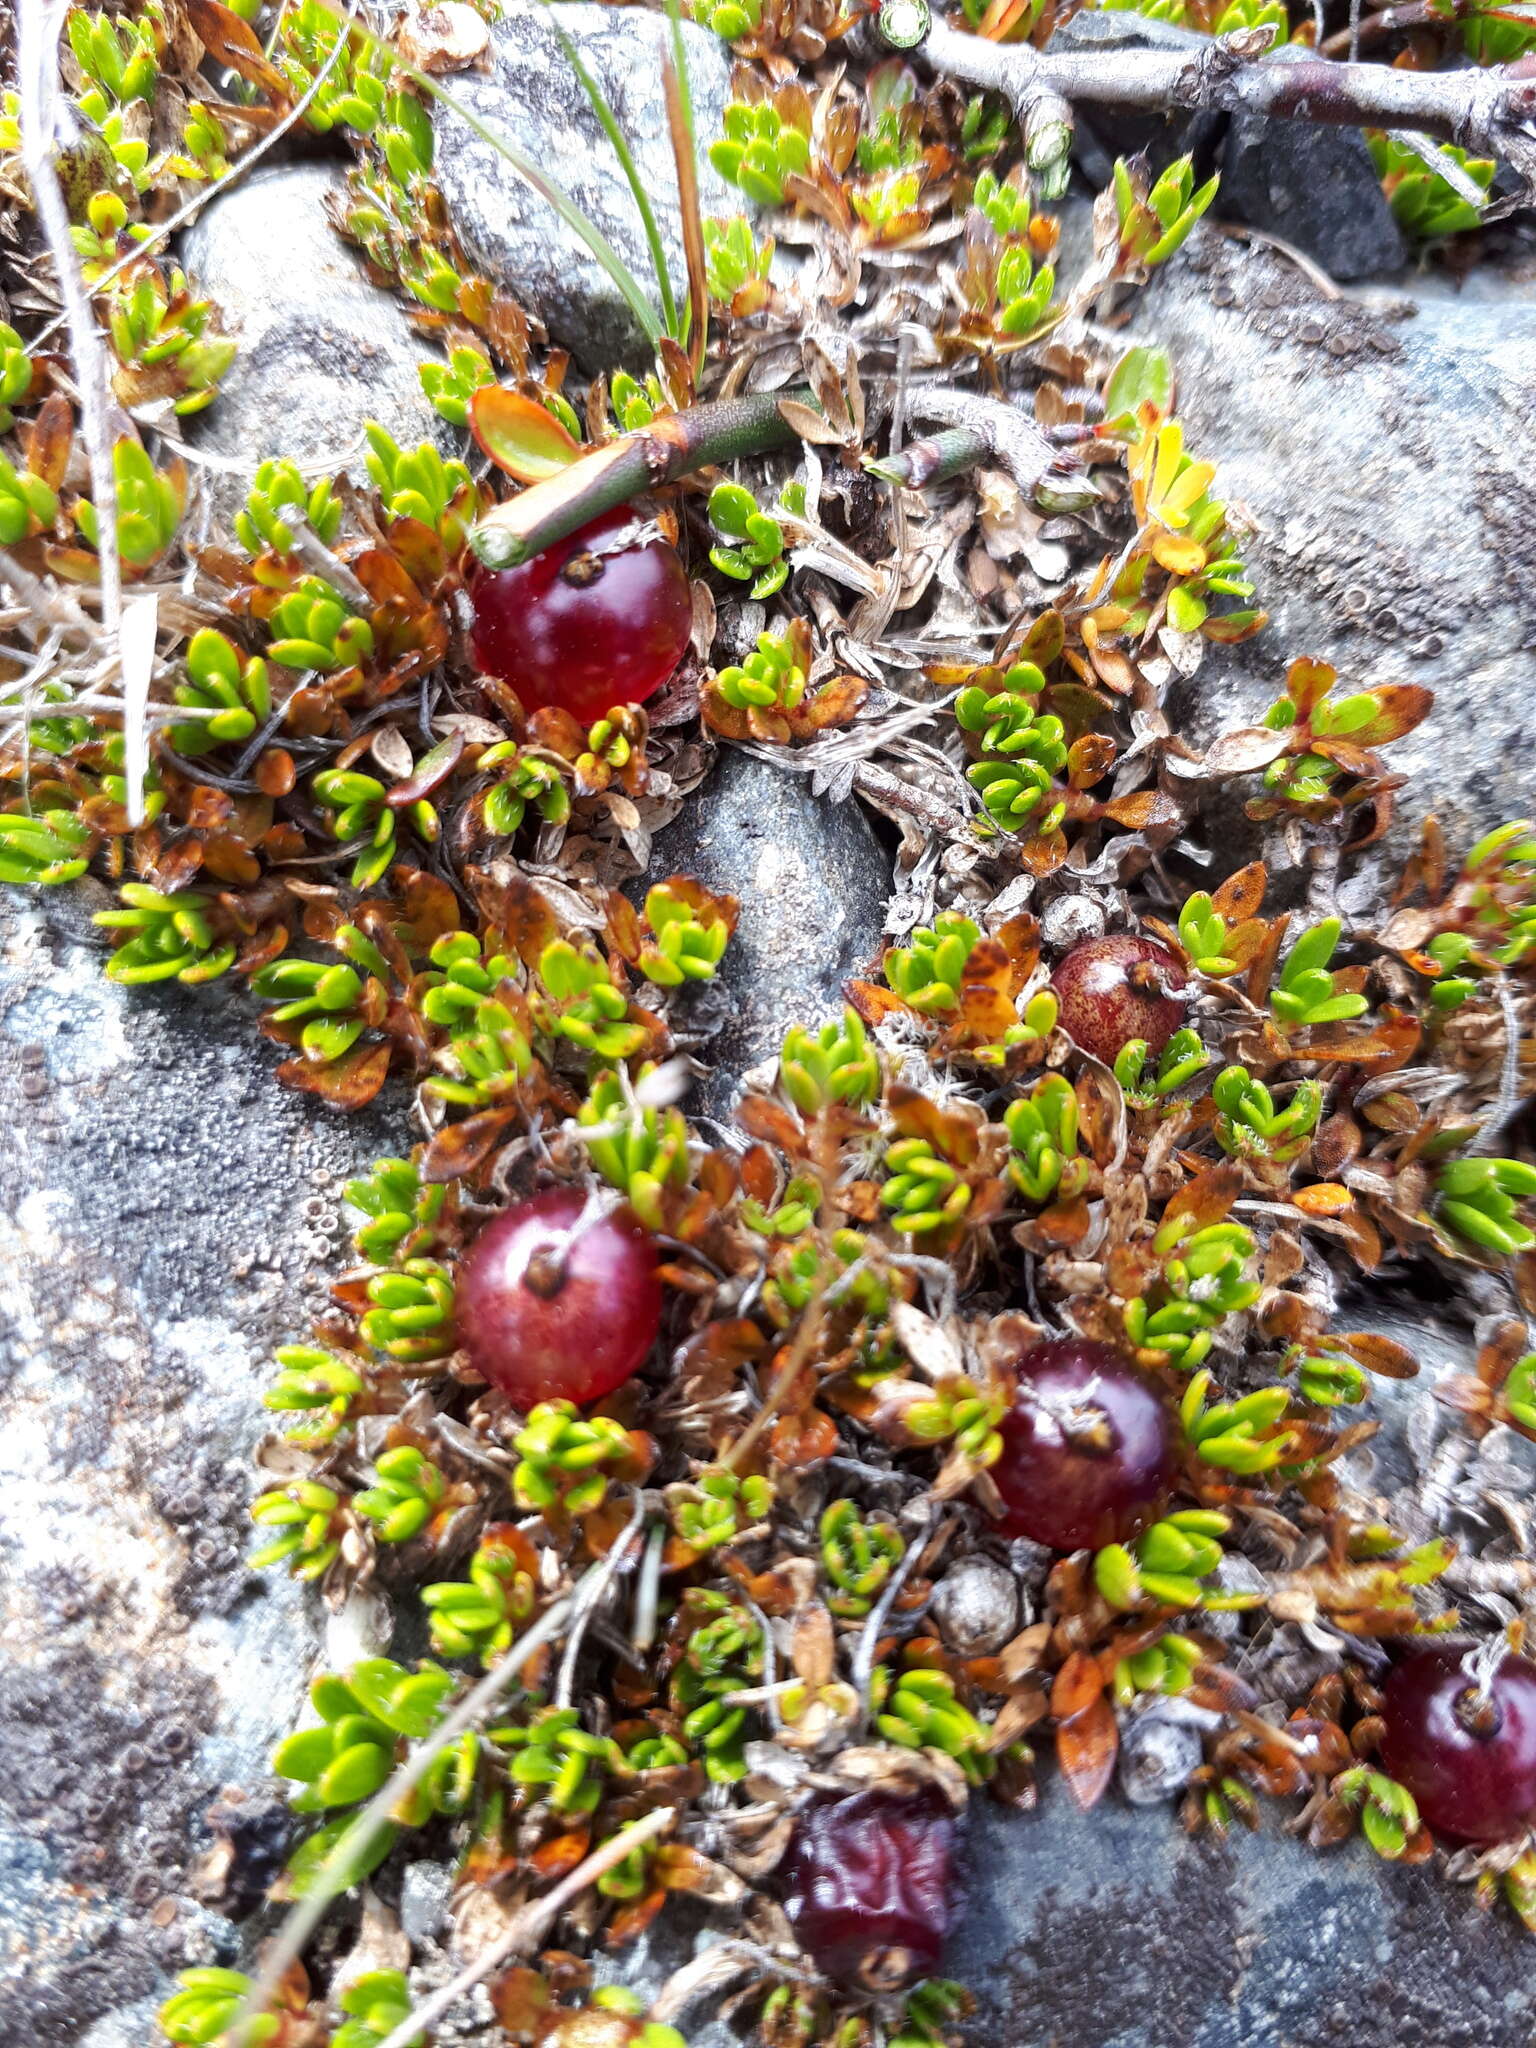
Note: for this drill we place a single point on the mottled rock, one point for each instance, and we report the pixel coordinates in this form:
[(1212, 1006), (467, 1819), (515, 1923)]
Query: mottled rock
[(1112, 1930), (1386, 461), (1313, 185), (813, 879), (321, 349), (530, 95), (169, 1215)]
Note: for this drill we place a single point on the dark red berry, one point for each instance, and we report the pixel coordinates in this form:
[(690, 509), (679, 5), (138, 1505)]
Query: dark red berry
[(869, 1885), (587, 624), (548, 1311), (1115, 989), (1087, 1447), (1466, 1752)]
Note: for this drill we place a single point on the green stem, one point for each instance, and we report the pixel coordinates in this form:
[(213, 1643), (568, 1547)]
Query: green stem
[(670, 447), (934, 459)]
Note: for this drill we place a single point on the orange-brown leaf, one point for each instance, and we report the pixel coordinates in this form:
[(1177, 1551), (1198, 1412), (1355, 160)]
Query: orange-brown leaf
[(1208, 1197), (1089, 759), (516, 908), (1086, 1747), (1240, 895), (347, 1083), (457, 1149), (761, 1117), (1143, 808), (1077, 1685), (623, 926), (874, 1004), (430, 907), (835, 703), (1392, 1041), (47, 441), (521, 2001), (1392, 1361), (1399, 708), (229, 40), (951, 1134), (1307, 683)]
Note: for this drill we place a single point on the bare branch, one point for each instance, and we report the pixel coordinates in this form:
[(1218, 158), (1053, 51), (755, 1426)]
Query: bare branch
[(672, 446), (318, 558), (1490, 111)]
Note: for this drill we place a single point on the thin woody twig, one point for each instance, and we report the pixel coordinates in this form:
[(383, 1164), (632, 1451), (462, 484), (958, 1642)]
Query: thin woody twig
[(527, 1928), (336, 1872), (1487, 111), (934, 459), (316, 556)]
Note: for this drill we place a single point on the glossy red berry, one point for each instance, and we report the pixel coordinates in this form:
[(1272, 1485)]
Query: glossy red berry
[(1466, 1753), (870, 1890), (548, 1311), (1114, 989), (1087, 1447), (587, 624)]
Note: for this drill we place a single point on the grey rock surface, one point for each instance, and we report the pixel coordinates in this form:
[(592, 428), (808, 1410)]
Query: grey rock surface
[(1112, 1930), (1385, 461), (168, 1217), (532, 97), (813, 879), (321, 348), (1314, 186)]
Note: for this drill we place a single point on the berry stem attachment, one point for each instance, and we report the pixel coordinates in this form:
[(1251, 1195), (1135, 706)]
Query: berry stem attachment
[(670, 447)]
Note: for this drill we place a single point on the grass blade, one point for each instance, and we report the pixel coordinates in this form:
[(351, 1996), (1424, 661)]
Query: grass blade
[(630, 288), (621, 149), (685, 155)]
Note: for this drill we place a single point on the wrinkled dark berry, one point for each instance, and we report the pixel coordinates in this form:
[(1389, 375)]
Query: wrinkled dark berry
[(1467, 1756), (1114, 989), (870, 1888), (1087, 1447), (549, 1315)]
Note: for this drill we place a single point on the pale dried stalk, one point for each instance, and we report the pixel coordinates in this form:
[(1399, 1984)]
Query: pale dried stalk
[(38, 65), (318, 558), (199, 200), (50, 606), (330, 1878), (527, 1928)]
